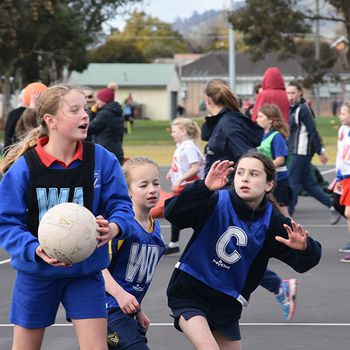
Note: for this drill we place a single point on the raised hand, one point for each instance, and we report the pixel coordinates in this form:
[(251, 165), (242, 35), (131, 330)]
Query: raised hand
[(297, 237), (218, 174)]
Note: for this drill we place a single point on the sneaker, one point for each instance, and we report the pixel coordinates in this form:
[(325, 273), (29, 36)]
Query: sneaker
[(287, 298), (335, 216), (171, 250), (346, 259), (345, 249)]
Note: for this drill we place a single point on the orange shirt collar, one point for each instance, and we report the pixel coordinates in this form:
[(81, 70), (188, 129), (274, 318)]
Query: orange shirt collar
[(47, 159)]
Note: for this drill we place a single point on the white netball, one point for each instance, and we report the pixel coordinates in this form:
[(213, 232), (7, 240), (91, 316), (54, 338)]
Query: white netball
[(67, 232)]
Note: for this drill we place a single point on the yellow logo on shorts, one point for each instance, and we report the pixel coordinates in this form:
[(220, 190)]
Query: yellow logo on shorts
[(113, 339)]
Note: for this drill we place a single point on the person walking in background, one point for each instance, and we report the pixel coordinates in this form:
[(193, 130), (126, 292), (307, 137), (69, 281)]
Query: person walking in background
[(229, 133), (107, 127), (273, 92), (53, 165), (274, 146), (236, 231), (249, 111), (128, 113), (334, 106), (187, 165), (304, 141), (134, 260), (343, 169)]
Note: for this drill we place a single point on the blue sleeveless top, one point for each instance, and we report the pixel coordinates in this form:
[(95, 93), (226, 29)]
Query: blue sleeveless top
[(134, 262), (222, 253)]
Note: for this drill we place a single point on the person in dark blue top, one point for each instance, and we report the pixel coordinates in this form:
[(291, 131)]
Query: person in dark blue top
[(229, 132), (236, 232), (134, 260), (52, 165)]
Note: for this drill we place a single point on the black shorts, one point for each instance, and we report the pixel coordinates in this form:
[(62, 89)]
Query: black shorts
[(189, 297), (230, 331)]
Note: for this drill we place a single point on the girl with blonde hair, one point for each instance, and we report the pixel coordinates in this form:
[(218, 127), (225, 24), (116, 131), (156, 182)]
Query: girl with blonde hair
[(187, 165), (53, 165)]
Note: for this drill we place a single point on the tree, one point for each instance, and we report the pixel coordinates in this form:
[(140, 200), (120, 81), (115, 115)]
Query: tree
[(41, 38), (280, 26), (151, 36), (116, 50)]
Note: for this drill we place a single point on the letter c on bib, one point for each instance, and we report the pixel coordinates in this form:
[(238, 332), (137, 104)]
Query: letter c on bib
[(223, 241)]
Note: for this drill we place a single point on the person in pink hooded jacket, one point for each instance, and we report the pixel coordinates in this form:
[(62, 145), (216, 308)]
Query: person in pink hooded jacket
[(273, 92)]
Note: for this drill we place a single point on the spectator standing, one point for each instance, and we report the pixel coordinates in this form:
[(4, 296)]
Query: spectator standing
[(108, 125), (28, 94), (304, 141), (273, 92)]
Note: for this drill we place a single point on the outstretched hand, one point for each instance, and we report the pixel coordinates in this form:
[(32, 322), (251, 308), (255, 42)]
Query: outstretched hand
[(297, 237), (107, 230), (218, 174)]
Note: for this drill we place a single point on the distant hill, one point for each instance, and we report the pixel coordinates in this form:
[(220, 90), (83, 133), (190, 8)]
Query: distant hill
[(187, 25)]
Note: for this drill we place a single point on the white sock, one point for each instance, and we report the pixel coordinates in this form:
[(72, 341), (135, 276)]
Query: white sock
[(173, 244)]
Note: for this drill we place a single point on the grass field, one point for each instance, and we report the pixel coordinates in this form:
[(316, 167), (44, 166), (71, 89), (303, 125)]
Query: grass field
[(152, 139)]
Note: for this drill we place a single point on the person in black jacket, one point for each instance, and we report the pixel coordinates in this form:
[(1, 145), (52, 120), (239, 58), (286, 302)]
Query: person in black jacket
[(229, 133), (236, 231), (108, 124)]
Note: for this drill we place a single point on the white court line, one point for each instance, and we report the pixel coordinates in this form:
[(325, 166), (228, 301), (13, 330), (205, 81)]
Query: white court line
[(5, 261), (324, 172), (304, 225), (241, 324)]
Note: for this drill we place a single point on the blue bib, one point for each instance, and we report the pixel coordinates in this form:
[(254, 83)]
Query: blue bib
[(223, 251)]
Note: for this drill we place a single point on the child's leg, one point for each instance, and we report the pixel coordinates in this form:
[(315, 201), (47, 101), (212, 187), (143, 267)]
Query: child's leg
[(84, 301), (198, 332), (27, 338), (91, 333), (346, 258), (226, 344)]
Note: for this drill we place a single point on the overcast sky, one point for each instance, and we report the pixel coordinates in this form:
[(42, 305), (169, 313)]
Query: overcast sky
[(168, 10)]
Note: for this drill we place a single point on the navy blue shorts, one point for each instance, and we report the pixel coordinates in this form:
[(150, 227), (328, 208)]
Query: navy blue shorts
[(230, 330), (36, 300), (283, 192), (124, 332)]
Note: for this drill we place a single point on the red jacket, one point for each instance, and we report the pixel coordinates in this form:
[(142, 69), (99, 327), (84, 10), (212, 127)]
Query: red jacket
[(274, 92)]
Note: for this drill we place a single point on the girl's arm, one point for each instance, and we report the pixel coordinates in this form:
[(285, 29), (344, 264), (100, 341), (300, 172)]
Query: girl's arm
[(192, 207), (279, 161), (143, 320), (126, 301), (192, 171)]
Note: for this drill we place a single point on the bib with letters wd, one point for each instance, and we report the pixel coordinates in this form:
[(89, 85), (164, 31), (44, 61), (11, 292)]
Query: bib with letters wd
[(134, 263), (224, 249)]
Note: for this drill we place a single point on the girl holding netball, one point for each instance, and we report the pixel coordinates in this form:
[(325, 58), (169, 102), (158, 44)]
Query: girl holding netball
[(236, 232), (53, 165)]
